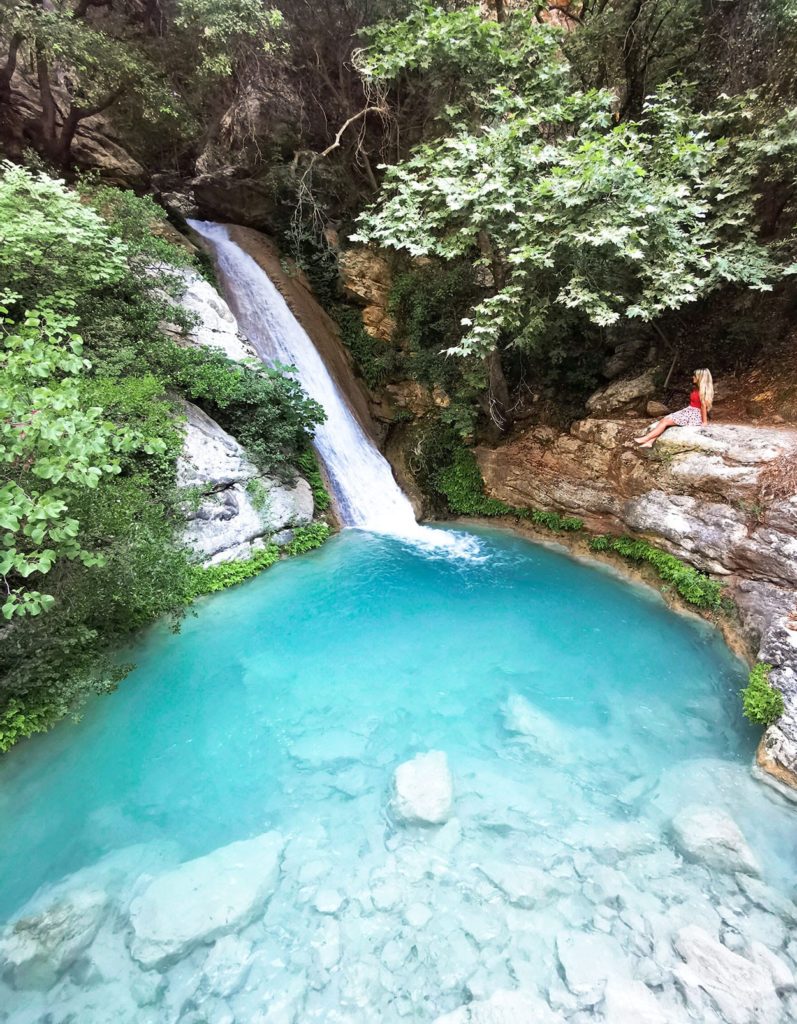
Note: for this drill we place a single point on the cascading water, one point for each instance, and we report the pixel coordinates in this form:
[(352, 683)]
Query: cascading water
[(365, 493)]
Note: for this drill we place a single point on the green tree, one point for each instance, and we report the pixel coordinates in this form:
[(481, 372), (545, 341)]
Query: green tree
[(579, 222)]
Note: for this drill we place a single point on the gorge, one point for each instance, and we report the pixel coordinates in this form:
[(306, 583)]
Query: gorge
[(356, 664)]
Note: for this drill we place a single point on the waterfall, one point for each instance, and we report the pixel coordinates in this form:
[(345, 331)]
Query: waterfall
[(364, 490)]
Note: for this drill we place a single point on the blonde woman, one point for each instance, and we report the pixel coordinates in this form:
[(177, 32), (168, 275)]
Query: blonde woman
[(694, 415)]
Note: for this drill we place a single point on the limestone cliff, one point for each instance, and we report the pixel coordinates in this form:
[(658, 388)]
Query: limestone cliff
[(721, 498), (235, 509)]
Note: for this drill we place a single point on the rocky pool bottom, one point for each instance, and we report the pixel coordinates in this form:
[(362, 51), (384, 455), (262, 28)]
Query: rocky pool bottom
[(380, 785)]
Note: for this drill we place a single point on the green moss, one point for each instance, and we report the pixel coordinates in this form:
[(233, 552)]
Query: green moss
[(761, 702), (694, 587), (308, 464), (376, 360)]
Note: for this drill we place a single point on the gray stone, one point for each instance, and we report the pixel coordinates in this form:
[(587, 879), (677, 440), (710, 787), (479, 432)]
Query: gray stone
[(742, 990), (710, 835), (328, 901), (781, 973), (216, 325), (423, 789), (226, 966), (622, 394), (38, 947), (204, 899)]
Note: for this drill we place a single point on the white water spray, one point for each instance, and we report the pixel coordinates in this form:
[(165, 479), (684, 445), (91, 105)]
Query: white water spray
[(365, 493)]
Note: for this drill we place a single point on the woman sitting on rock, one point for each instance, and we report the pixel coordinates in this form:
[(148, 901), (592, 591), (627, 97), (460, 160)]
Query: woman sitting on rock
[(694, 415)]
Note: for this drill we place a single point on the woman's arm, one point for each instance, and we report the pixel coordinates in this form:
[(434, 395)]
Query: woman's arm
[(704, 414)]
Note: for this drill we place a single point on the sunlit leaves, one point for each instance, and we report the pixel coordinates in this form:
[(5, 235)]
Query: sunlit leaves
[(596, 219)]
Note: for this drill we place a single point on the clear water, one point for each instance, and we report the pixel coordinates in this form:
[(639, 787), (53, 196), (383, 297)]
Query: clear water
[(363, 488), (288, 702)]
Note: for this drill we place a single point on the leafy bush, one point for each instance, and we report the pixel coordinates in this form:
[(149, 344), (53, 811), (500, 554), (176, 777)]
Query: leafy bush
[(90, 514), (693, 586), (761, 701), (265, 409), (375, 360)]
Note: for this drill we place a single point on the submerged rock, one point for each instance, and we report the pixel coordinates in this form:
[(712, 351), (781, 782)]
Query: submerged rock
[(589, 961), (424, 791), (521, 885), (632, 1002), (203, 899), (37, 949), (743, 991), (505, 1007), (713, 837)]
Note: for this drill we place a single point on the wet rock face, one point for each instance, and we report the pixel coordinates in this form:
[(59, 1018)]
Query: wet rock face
[(697, 494), (239, 508)]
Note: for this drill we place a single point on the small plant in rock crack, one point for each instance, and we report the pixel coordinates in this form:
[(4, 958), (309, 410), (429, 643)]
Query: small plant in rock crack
[(761, 701)]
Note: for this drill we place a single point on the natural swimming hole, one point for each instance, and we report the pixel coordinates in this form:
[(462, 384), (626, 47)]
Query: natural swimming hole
[(579, 718)]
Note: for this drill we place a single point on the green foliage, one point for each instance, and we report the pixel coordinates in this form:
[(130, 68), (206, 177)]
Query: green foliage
[(462, 484), (51, 244), (376, 360), (307, 538), (583, 222), (307, 464), (18, 720), (262, 407), (212, 578), (428, 303), (693, 586), (90, 430), (761, 701)]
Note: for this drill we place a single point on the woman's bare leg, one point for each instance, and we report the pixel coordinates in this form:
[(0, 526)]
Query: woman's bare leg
[(646, 441)]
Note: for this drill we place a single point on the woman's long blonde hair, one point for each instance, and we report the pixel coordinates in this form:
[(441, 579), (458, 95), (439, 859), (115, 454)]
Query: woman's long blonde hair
[(705, 386)]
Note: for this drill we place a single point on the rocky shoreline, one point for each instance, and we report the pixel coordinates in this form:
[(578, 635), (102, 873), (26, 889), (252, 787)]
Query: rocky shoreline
[(713, 497)]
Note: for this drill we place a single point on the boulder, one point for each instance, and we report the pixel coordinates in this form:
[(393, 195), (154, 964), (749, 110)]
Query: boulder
[(742, 990), (204, 899), (626, 393), (36, 949), (239, 508), (589, 961), (505, 1007), (423, 789), (710, 835)]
